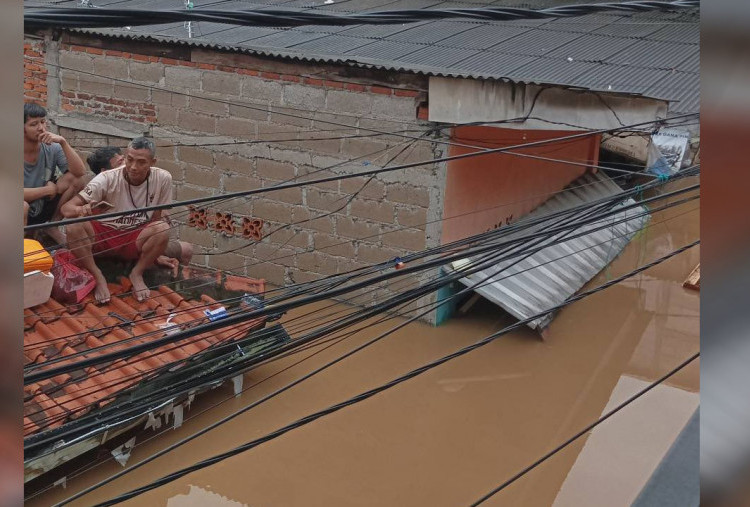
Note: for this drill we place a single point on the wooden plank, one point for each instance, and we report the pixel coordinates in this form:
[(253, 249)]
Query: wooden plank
[(694, 280)]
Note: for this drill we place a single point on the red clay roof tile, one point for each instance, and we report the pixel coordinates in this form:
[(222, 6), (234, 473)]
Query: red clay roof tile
[(53, 331)]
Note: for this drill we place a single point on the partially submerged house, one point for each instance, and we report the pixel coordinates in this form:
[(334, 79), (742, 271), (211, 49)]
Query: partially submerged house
[(236, 108), (243, 107)]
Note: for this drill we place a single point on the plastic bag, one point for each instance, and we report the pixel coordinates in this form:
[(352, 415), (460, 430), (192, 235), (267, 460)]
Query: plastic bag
[(72, 283)]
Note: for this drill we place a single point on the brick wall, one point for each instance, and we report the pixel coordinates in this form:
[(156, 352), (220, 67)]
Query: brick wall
[(34, 72), (266, 123)]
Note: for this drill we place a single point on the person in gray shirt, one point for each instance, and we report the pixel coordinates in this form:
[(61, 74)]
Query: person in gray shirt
[(52, 171)]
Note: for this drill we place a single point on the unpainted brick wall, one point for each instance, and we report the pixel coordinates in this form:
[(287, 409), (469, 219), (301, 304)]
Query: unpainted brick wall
[(260, 128), (34, 72)]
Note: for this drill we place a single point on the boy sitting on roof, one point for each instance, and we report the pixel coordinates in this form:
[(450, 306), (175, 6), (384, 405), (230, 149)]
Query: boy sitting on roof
[(141, 236), (52, 171), (110, 157)]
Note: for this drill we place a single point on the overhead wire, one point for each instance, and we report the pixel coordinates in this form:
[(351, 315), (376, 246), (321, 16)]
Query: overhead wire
[(238, 248), (339, 177), (106, 328), (156, 317), (140, 443), (587, 429), (506, 229), (40, 17), (366, 394), (36, 366), (512, 275), (264, 107), (100, 359), (432, 306)]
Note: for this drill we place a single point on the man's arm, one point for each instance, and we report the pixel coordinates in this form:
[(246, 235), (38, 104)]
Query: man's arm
[(75, 164), (76, 207), (32, 194)]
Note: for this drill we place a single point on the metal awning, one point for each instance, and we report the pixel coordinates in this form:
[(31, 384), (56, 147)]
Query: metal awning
[(551, 275)]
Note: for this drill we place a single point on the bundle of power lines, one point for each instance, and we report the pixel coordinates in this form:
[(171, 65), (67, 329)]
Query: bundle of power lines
[(486, 250), (36, 18), (363, 396), (318, 290)]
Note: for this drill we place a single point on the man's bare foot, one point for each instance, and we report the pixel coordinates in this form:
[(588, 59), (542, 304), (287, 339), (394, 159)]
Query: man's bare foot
[(101, 291), (140, 289), (169, 262)]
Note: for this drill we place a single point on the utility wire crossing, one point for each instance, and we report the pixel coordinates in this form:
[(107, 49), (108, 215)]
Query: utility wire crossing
[(35, 18), (372, 392)]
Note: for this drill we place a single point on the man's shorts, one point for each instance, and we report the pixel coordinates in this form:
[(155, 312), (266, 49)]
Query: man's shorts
[(45, 214), (112, 242)]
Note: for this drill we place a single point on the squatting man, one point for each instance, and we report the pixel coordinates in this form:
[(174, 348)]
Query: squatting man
[(177, 252), (141, 236)]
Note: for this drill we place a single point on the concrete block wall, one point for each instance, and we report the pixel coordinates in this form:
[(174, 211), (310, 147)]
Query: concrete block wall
[(224, 127)]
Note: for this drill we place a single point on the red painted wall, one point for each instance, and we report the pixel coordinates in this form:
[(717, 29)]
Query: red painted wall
[(489, 191)]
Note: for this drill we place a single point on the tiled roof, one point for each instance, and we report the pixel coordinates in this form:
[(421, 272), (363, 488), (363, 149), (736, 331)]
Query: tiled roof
[(53, 331), (597, 51)]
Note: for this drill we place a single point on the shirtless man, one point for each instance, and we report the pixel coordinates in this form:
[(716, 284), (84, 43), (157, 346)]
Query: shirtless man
[(177, 252), (52, 171), (140, 236)]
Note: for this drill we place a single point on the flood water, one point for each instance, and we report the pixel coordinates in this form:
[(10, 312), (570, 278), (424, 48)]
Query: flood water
[(447, 437)]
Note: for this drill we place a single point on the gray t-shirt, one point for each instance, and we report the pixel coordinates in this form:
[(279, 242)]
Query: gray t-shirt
[(50, 164)]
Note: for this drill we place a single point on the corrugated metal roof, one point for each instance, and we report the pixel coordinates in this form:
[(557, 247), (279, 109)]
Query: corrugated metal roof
[(682, 86), (591, 48), (526, 286), (483, 36), (606, 48), (535, 42), (621, 79), (660, 54), (478, 63)]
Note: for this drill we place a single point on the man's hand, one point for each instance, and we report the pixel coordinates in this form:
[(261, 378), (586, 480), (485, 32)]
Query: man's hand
[(49, 138), (169, 262), (85, 210), (51, 188)]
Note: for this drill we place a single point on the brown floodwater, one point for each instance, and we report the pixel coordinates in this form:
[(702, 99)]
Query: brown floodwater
[(450, 435)]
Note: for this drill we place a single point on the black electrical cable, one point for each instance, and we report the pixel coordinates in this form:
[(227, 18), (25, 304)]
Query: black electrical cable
[(431, 307), (39, 18), (33, 377), (265, 108), (436, 287), (119, 414), (587, 429), (107, 357), (372, 392), (328, 344), (608, 225), (360, 238), (246, 193), (532, 268), (169, 366)]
